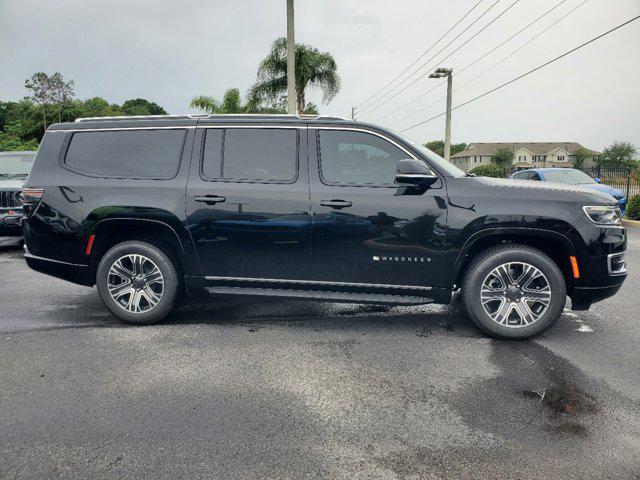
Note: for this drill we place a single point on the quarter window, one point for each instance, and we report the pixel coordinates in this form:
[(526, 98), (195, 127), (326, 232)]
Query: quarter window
[(250, 154), (126, 153), (357, 158)]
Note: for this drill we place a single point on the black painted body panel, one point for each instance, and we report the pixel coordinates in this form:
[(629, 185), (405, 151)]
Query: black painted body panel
[(391, 239)]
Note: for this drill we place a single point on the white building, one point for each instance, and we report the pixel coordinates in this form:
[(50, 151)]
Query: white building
[(526, 155)]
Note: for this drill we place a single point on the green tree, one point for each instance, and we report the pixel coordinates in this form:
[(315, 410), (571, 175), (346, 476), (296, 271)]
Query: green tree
[(503, 158), (437, 146), (490, 170), (40, 87), (313, 69), (633, 208), (620, 154), (142, 106), (25, 117), (49, 90), (99, 107), (579, 157), (232, 103), (61, 92), (10, 138)]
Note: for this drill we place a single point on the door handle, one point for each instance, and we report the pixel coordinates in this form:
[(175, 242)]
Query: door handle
[(209, 199), (335, 203)]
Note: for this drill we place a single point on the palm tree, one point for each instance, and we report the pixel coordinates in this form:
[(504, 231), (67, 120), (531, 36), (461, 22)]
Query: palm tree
[(314, 69), (232, 103)]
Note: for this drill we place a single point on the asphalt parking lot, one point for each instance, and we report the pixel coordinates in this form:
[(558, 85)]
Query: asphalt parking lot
[(260, 388)]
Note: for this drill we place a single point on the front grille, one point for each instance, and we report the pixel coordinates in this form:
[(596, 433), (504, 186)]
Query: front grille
[(10, 199)]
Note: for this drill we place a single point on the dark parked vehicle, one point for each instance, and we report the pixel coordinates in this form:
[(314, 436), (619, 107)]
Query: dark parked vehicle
[(314, 207), (14, 168)]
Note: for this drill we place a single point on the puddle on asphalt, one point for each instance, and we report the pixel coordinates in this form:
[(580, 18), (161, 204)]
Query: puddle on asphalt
[(563, 397)]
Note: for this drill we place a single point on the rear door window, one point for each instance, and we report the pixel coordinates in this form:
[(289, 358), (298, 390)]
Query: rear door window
[(261, 155), (143, 154)]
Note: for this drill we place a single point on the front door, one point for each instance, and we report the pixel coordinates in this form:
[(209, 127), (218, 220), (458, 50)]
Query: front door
[(248, 201), (365, 228)]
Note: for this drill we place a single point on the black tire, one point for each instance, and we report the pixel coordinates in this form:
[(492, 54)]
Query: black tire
[(485, 263), (171, 289)]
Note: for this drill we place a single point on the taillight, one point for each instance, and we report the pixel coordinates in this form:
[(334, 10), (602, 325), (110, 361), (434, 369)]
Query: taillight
[(31, 199), (32, 195)]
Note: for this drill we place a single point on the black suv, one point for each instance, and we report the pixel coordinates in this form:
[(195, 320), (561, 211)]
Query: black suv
[(320, 207)]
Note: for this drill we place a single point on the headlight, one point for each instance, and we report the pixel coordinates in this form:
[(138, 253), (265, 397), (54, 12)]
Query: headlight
[(604, 215)]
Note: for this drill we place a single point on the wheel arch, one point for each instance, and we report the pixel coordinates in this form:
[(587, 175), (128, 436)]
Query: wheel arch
[(555, 244), (108, 232)]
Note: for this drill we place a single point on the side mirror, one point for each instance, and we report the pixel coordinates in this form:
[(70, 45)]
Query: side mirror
[(597, 180), (414, 172)]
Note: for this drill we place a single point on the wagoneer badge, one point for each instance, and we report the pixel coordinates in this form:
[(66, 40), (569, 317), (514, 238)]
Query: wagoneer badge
[(377, 258)]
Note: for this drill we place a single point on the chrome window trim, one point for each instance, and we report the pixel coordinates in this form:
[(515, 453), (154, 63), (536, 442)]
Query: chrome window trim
[(371, 132), (256, 126), (295, 179), (175, 127), (623, 270), (316, 282)]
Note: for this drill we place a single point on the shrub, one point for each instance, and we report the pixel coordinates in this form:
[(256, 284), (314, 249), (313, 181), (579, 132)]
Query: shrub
[(491, 170), (633, 208)]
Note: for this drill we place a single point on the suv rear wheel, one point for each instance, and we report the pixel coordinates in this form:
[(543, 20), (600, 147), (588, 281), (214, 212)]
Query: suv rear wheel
[(513, 291), (138, 282)]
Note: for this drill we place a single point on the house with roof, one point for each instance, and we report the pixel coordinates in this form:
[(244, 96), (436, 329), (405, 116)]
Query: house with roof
[(526, 155)]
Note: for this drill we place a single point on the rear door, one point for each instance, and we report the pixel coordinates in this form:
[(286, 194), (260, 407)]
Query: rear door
[(248, 201)]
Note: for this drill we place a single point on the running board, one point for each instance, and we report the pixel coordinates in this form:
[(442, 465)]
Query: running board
[(321, 295)]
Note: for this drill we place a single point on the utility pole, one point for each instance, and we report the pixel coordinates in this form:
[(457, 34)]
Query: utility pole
[(291, 62), (439, 73), (353, 113)]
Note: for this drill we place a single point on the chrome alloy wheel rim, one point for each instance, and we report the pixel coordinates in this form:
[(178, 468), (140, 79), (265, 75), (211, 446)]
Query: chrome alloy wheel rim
[(515, 294), (135, 283)]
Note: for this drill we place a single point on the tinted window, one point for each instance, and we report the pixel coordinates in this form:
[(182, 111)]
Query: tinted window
[(251, 154), (16, 164), (212, 160), (349, 157), (568, 175), (126, 153)]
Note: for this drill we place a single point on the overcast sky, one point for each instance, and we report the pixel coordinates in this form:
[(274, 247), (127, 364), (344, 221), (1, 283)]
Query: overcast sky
[(169, 51)]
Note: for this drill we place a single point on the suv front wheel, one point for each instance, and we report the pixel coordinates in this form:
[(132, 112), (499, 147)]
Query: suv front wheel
[(138, 282), (513, 291)]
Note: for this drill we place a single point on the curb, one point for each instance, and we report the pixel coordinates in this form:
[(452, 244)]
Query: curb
[(630, 223)]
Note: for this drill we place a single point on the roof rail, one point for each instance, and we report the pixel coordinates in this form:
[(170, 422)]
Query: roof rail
[(136, 117), (331, 117), (207, 115)]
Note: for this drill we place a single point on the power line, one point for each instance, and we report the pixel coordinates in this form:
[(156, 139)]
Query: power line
[(470, 65), (492, 66), (439, 51), (527, 73), (421, 56), (442, 59)]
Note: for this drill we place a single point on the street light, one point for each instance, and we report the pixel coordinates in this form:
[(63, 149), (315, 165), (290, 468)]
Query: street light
[(439, 73)]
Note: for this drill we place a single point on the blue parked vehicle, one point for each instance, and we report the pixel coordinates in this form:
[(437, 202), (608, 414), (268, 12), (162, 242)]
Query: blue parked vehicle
[(571, 176)]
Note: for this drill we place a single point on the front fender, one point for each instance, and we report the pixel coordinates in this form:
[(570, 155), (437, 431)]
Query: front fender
[(499, 233)]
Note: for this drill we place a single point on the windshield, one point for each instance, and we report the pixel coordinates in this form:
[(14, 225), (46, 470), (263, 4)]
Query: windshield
[(568, 175), (440, 162), (16, 164)]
